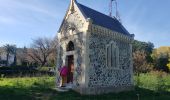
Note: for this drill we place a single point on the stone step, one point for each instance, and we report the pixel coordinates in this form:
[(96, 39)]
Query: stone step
[(62, 89)]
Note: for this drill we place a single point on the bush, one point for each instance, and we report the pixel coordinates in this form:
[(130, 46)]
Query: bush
[(155, 80), (44, 68), (16, 71), (21, 71)]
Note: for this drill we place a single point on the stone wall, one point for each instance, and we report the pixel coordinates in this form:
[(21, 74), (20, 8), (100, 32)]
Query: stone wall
[(102, 76)]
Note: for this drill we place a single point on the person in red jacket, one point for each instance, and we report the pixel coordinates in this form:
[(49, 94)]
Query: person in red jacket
[(63, 74)]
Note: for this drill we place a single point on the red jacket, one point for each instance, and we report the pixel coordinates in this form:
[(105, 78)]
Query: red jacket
[(64, 71)]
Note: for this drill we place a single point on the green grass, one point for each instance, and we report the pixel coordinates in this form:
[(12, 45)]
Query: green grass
[(155, 81), (152, 86)]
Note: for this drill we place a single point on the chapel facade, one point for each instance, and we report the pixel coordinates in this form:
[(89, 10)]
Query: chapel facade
[(100, 49)]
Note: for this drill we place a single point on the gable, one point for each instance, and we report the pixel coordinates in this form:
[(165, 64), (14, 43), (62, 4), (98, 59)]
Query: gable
[(82, 13), (73, 17)]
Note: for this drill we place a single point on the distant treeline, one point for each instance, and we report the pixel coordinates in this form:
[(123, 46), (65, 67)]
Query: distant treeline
[(21, 71)]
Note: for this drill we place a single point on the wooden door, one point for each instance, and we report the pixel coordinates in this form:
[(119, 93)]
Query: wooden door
[(70, 71)]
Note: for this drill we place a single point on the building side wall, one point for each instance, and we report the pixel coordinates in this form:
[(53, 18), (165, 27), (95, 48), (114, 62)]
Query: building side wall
[(100, 75)]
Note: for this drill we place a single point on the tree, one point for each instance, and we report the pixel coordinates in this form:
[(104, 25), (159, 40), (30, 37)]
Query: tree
[(22, 56), (161, 51), (168, 65), (9, 49), (1, 51), (52, 60), (161, 63), (41, 49), (147, 47), (140, 63), (161, 57)]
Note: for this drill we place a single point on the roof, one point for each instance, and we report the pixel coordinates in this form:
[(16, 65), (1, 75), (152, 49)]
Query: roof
[(102, 19)]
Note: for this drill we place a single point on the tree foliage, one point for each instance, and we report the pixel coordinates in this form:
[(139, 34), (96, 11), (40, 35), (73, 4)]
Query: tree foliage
[(1, 52), (9, 49), (142, 60), (161, 58), (168, 64), (140, 64), (147, 47), (22, 56)]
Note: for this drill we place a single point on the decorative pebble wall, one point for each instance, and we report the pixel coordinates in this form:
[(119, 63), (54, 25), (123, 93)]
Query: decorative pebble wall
[(99, 73)]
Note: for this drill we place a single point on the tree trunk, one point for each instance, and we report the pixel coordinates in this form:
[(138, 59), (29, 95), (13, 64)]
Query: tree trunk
[(15, 60), (43, 63), (7, 59)]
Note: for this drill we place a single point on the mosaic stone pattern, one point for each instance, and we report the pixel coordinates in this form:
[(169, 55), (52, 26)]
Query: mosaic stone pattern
[(99, 73)]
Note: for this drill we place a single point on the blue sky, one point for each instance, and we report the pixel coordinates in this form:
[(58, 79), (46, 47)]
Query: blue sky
[(24, 20)]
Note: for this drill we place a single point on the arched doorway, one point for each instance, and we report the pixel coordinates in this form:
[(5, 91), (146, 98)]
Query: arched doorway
[(70, 61)]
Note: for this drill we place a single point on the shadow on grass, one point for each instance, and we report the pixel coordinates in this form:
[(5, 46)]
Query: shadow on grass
[(39, 93), (142, 94)]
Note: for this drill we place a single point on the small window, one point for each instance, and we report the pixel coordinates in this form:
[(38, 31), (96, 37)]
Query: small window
[(112, 53), (70, 46)]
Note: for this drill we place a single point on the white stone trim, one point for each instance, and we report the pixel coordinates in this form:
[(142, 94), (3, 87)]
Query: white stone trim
[(109, 33)]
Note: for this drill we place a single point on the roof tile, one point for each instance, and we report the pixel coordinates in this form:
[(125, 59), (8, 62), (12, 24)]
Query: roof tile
[(103, 20)]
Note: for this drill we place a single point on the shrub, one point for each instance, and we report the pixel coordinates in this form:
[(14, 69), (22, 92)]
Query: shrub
[(155, 80)]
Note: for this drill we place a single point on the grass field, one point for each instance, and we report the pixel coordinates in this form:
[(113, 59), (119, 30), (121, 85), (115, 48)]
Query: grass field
[(151, 86)]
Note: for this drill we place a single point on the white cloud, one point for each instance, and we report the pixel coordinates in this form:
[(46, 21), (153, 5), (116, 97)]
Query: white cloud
[(26, 11), (35, 8)]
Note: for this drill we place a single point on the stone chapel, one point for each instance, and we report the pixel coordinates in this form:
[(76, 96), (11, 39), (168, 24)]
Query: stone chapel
[(99, 47)]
